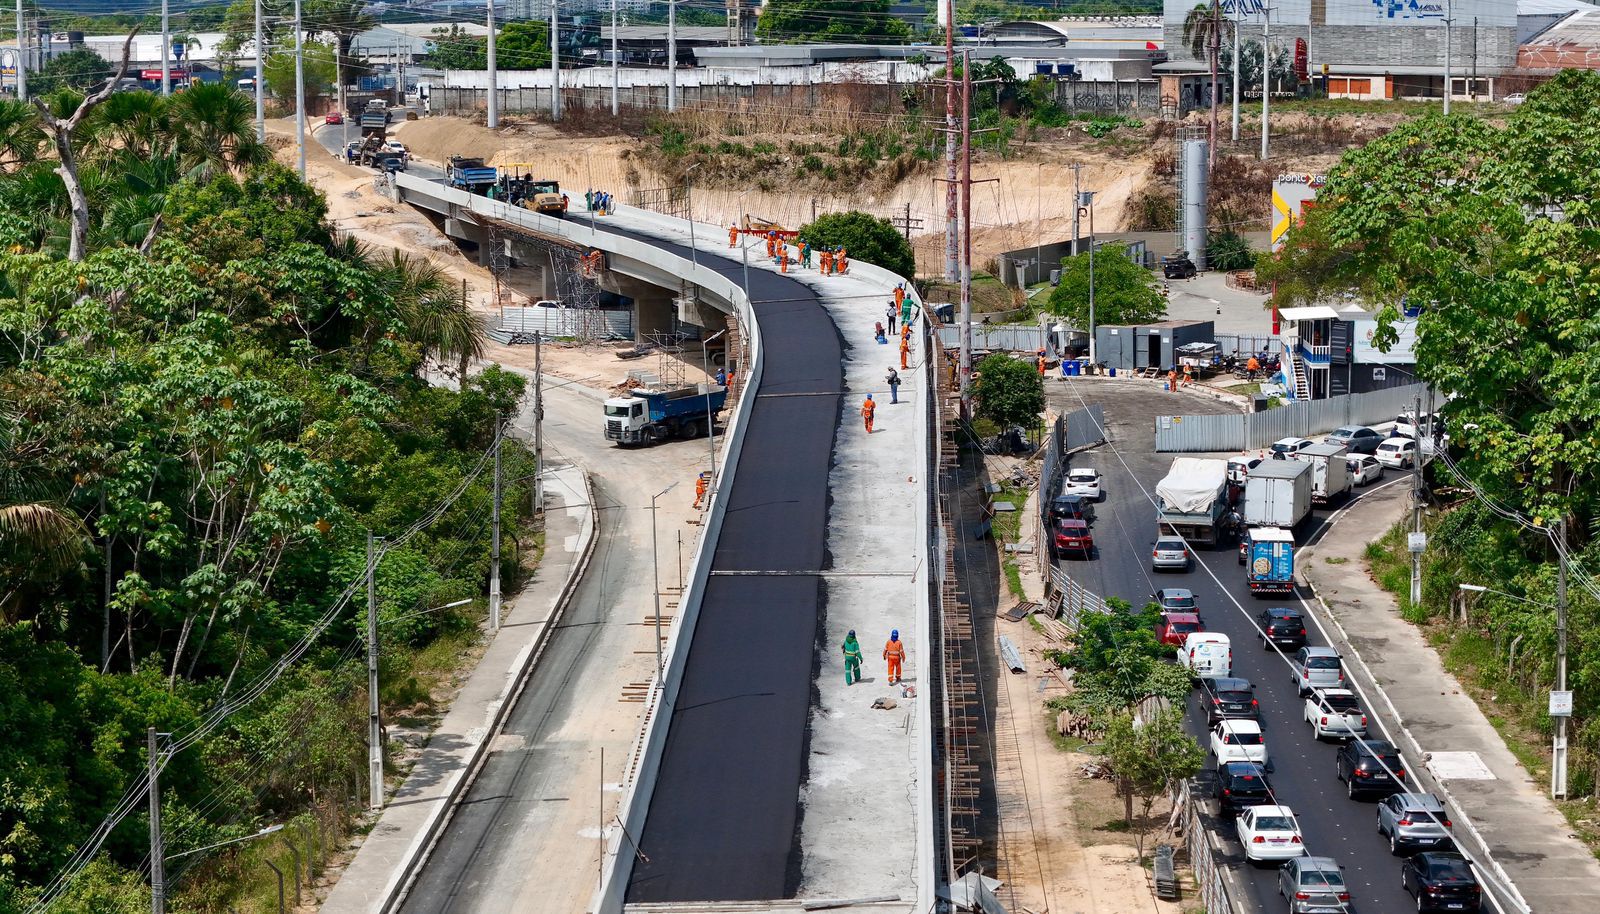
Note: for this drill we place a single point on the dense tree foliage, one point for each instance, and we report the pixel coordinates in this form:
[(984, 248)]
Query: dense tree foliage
[(805, 21), (1491, 235), (78, 69), (203, 418), (865, 237), (1010, 392), (1124, 292)]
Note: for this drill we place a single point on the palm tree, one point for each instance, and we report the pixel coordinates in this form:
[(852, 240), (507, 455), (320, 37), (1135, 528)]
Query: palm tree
[(1202, 33), (20, 136), (213, 126), (432, 308), (39, 539), (345, 19), (138, 122)]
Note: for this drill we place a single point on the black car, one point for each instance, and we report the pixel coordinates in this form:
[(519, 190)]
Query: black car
[(1229, 698), (1282, 627), (1358, 439), (1241, 784), (1371, 766), (1071, 507), (1178, 266), (1442, 881)]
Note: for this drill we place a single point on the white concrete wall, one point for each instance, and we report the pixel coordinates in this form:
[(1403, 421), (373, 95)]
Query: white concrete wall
[(873, 72)]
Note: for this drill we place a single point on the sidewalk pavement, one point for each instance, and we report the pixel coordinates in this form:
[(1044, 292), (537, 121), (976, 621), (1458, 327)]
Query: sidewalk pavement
[(413, 814), (1494, 797)]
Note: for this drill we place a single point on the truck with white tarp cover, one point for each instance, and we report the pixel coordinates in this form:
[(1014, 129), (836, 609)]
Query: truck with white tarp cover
[(1191, 501)]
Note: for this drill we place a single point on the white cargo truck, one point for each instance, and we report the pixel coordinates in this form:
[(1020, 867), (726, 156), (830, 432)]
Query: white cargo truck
[(1278, 494), (1330, 472)]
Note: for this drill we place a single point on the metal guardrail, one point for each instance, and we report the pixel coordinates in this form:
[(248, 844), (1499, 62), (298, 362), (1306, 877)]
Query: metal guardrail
[(1072, 601)]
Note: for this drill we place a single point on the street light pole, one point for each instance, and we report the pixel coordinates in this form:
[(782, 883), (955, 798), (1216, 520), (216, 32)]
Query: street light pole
[(1086, 200), (655, 568), (22, 56), (299, 90), (261, 64), (166, 51), (158, 878), (374, 721), (1449, 13), (1238, 20), (1266, 77)]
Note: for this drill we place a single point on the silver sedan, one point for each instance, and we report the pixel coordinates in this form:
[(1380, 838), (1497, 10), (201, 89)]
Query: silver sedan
[(1170, 554), (1313, 885)]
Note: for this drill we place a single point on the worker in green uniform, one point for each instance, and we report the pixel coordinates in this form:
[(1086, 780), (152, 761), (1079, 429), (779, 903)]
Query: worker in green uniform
[(852, 659)]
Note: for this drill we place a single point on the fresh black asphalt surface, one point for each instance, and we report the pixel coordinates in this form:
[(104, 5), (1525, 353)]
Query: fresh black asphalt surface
[(1303, 775), (724, 818)]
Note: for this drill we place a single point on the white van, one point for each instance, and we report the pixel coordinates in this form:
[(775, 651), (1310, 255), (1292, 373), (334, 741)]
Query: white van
[(1207, 655)]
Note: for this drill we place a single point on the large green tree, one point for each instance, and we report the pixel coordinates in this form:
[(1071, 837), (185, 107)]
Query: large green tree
[(1493, 233), (344, 20), (864, 237), (1009, 392), (1149, 758), (1124, 292), (80, 69), (804, 21)]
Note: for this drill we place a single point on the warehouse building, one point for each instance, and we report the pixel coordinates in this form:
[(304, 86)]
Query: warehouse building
[(1370, 49)]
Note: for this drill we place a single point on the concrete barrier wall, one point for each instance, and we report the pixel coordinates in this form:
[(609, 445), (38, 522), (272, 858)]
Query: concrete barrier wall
[(639, 780)]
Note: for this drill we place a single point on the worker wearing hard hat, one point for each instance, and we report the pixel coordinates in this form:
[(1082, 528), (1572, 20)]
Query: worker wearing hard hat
[(852, 659), (894, 653)]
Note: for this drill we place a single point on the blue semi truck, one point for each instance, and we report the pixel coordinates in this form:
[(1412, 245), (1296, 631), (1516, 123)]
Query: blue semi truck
[(649, 415), (1268, 553)]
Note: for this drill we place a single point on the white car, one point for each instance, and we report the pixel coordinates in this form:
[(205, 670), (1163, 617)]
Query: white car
[(1335, 714), (1084, 481), (1364, 470), (405, 154), (1239, 741), (1289, 447), (1515, 98), (1239, 468), (1397, 453), (1270, 833)]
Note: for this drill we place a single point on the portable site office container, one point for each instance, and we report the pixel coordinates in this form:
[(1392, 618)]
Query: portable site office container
[(1148, 345)]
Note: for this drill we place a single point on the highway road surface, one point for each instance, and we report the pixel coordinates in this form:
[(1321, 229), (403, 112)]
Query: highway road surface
[(1303, 775)]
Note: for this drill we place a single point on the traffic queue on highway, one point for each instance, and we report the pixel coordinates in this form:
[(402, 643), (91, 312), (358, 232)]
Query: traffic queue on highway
[(1260, 501)]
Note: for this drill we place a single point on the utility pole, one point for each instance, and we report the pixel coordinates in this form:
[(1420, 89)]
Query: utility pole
[(494, 541), (492, 117), (158, 869), (555, 61), (374, 722), (1213, 45), (22, 56), (711, 417), (616, 74), (966, 226), (1089, 195), (299, 90), (1266, 76), (538, 422), (1077, 175), (672, 56), (1558, 757), (1449, 13), (1238, 20), (1416, 504), (166, 52), (261, 63), (952, 235)]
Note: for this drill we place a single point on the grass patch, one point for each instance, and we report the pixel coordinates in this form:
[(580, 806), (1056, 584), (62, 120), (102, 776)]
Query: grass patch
[(1034, 623), (1116, 825), (1008, 529), (1335, 559)]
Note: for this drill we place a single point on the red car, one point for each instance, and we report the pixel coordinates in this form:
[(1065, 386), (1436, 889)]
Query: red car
[(333, 117), (1174, 627), (1072, 535)]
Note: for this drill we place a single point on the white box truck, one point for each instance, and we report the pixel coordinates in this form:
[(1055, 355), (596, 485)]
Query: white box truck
[(1330, 472), (1278, 494)]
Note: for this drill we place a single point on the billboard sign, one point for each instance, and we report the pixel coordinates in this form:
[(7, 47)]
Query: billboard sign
[(1291, 195), (1426, 13), (172, 73)]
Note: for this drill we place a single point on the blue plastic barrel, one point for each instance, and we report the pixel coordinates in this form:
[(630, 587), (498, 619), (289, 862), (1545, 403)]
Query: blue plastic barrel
[(1112, 372)]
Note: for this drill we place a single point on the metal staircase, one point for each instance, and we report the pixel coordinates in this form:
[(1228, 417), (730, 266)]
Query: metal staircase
[(1297, 369)]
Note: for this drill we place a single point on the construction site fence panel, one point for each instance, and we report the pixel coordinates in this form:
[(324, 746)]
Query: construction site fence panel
[(761, 99), (1299, 419), (1027, 338), (1072, 601), (1214, 897), (1083, 428), (518, 324)]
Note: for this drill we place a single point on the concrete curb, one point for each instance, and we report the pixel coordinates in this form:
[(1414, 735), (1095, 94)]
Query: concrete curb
[(421, 849), (1347, 648)]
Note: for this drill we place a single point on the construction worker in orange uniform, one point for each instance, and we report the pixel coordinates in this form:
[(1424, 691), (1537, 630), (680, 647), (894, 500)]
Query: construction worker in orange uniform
[(827, 261), (733, 236), (701, 483), (867, 409), (895, 653), (844, 259), (905, 352)]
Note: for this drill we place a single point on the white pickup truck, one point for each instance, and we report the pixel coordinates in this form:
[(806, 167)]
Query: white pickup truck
[(1335, 714)]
